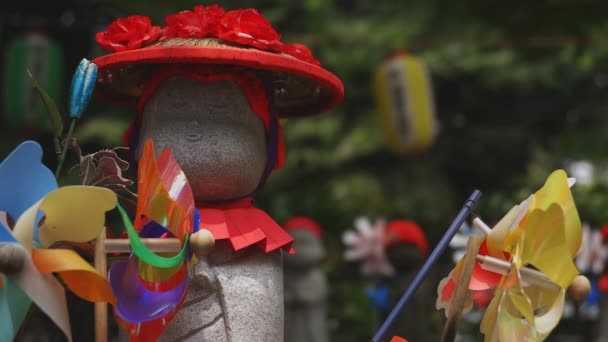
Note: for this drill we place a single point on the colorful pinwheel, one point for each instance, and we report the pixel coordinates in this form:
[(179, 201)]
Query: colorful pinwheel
[(366, 244), (544, 231), (45, 214), (150, 287)]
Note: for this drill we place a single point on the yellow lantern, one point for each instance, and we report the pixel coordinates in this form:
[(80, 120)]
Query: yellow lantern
[(404, 95)]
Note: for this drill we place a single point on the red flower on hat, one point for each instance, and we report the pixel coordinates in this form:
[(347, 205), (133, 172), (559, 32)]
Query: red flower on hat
[(249, 27), (128, 33), (200, 23), (185, 24), (210, 17), (301, 52)]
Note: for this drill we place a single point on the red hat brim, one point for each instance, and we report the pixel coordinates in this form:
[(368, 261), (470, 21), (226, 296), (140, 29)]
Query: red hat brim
[(306, 88)]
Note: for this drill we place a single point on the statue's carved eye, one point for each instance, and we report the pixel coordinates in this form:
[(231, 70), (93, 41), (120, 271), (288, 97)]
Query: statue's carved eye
[(179, 103), (216, 106), (193, 124)]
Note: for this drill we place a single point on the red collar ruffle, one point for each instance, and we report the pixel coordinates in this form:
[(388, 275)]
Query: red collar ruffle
[(244, 225)]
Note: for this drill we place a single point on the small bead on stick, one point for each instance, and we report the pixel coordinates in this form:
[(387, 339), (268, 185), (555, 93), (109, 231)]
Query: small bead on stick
[(202, 242)]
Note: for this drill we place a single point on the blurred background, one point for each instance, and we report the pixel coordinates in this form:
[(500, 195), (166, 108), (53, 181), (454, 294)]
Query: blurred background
[(519, 89)]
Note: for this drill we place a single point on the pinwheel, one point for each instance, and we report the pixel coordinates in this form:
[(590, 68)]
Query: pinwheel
[(544, 232), (366, 244), (150, 287), (45, 214)]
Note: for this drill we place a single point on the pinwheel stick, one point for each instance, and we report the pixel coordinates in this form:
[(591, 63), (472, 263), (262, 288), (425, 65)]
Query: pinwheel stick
[(155, 245), (101, 309), (430, 261), (201, 244)]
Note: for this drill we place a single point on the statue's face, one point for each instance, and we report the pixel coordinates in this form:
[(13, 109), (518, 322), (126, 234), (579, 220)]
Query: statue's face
[(218, 140), (309, 250)]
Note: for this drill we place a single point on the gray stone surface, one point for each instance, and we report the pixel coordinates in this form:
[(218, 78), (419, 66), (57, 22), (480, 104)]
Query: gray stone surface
[(232, 297), (216, 137), (305, 290), (220, 143)]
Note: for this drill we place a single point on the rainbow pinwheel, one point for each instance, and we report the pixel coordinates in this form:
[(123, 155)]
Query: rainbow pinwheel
[(545, 232), (150, 287), (45, 214)]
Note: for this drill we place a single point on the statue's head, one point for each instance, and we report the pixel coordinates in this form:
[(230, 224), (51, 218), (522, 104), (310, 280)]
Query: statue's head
[(218, 128), (405, 244), (307, 241)]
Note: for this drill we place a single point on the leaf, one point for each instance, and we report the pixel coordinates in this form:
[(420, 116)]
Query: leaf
[(51, 107), (110, 163)]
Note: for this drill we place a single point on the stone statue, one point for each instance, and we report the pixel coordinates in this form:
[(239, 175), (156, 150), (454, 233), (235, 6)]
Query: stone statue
[(211, 86), (407, 248), (305, 284), (230, 290)]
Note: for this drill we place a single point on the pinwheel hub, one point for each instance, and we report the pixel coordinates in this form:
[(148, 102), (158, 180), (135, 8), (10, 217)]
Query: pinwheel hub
[(12, 259)]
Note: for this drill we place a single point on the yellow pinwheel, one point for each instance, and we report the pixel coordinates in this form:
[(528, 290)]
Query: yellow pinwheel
[(527, 260)]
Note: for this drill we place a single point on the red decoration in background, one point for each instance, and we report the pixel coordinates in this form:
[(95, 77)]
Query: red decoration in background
[(398, 339), (128, 33), (605, 232), (602, 283), (249, 27), (302, 222), (404, 231)]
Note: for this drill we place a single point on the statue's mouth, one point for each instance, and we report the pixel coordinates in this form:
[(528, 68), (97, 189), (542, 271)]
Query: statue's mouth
[(192, 137)]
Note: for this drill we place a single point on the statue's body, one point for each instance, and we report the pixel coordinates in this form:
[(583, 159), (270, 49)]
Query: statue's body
[(305, 290)]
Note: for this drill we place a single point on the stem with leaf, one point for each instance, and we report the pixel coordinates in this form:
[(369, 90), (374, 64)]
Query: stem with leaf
[(66, 144), (55, 116)]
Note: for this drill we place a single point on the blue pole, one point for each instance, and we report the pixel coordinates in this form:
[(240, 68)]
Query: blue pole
[(432, 259)]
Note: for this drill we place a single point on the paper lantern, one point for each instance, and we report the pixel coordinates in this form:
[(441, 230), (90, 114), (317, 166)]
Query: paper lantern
[(404, 95), (43, 57)]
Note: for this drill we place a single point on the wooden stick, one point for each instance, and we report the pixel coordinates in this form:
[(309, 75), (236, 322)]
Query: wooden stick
[(101, 309), (154, 244), (462, 290)]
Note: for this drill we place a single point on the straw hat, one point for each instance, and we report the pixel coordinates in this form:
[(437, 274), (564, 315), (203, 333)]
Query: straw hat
[(208, 35)]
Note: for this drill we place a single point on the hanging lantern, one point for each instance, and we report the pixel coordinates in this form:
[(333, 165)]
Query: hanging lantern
[(404, 95), (43, 57)]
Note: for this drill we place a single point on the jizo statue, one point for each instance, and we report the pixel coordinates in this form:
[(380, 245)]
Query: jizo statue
[(211, 86), (407, 248), (305, 284)]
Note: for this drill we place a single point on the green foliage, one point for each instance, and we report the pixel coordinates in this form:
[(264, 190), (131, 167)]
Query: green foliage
[(51, 107), (520, 88)]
